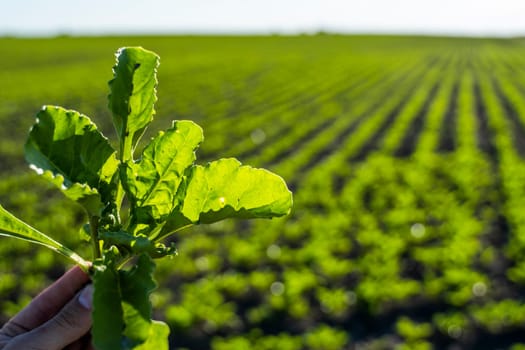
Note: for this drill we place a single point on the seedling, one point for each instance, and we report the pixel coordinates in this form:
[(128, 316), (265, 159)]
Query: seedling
[(164, 188)]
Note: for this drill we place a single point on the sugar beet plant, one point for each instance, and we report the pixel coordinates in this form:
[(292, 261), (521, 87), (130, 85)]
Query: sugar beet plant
[(164, 191)]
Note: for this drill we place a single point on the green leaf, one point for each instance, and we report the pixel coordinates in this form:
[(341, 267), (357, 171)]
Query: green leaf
[(66, 147), (136, 286), (157, 337), (108, 321), (133, 95), (13, 227), (152, 182), (226, 189), (121, 307)]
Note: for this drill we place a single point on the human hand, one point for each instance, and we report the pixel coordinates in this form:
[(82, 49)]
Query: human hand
[(58, 318)]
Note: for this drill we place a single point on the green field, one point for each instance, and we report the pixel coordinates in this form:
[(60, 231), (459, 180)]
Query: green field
[(406, 156)]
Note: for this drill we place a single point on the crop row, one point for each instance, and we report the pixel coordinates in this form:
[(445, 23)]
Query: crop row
[(407, 167)]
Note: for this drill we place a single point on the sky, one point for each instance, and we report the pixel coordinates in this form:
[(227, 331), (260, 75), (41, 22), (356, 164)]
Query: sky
[(93, 17)]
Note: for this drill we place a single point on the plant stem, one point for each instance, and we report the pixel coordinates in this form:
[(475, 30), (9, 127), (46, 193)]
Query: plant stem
[(164, 235), (126, 154), (74, 257), (126, 147), (118, 200), (123, 262), (93, 224)]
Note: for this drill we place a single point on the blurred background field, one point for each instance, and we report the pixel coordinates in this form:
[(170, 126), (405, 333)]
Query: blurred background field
[(405, 155)]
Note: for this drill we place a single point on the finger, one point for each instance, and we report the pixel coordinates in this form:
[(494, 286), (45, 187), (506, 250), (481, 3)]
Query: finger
[(46, 304), (70, 324)]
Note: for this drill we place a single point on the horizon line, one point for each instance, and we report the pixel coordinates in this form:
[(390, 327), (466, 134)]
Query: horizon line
[(261, 33)]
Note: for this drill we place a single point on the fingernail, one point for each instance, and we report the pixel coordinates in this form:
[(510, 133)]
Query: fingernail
[(86, 297)]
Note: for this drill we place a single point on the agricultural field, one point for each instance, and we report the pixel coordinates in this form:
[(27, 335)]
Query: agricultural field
[(405, 156)]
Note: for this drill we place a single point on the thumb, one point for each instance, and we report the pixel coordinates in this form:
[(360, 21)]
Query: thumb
[(69, 325)]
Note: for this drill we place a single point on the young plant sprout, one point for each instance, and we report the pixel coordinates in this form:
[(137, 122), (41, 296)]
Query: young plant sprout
[(165, 189)]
